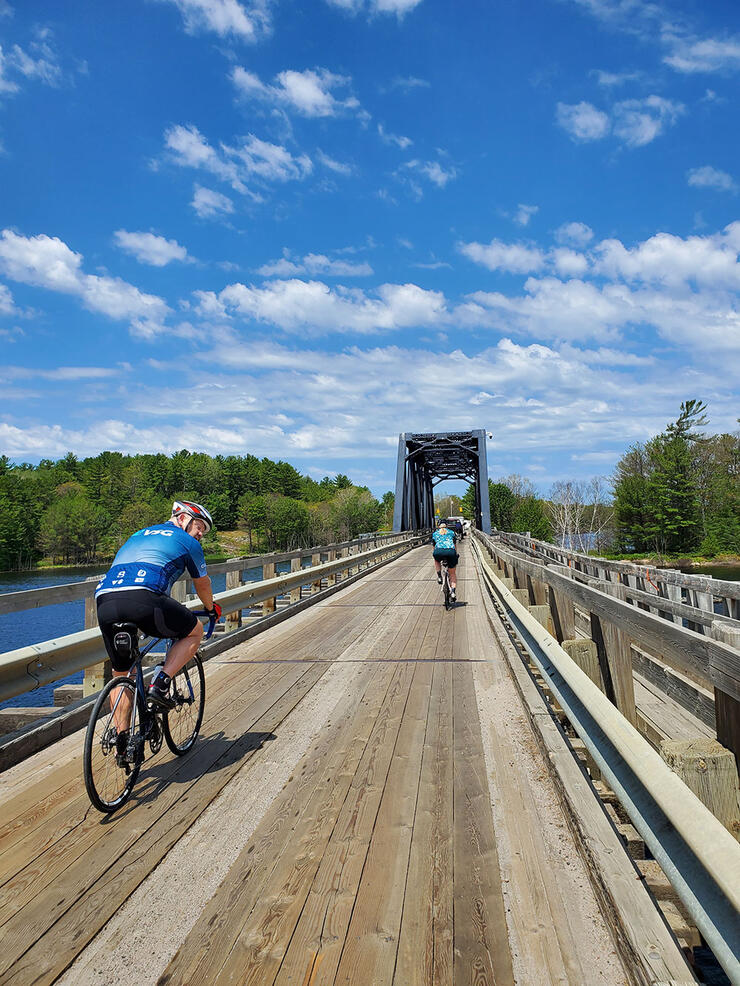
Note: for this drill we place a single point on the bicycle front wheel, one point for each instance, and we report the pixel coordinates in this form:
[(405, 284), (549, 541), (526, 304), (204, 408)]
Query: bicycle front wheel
[(109, 774), (181, 725)]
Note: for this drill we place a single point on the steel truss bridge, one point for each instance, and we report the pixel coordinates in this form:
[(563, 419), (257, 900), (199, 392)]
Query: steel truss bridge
[(424, 461)]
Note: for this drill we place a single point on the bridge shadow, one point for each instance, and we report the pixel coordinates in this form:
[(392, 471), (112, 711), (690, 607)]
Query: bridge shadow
[(209, 755)]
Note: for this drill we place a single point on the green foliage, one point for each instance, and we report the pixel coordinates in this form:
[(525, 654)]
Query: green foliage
[(680, 492), (78, 510), (504, 505), (529, 515)]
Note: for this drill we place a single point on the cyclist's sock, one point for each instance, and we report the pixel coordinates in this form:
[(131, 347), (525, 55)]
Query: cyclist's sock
[(162, 681)]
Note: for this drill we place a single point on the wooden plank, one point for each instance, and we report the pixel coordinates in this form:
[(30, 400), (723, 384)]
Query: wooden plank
[(372, 937), (40, 817), (482, 953), (425, 945), (645, 944), (228, 915), (43, 937)]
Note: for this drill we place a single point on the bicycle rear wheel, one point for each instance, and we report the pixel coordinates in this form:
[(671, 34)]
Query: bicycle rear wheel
[(109, 776), (181, 725), (446, 589)]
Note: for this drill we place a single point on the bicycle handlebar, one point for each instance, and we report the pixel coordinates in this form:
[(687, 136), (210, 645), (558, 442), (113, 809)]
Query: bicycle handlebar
[(211, 621)]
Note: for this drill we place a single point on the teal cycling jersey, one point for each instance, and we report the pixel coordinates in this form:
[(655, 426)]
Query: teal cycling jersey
[(154, 558), (444, 542)]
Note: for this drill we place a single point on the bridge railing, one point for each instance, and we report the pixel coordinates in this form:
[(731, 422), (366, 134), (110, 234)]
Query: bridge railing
[(694, 849), (607, 630), (30, 667), (698, 599)]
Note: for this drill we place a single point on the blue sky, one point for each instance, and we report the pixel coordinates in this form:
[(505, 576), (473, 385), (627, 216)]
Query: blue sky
[(297, 229)]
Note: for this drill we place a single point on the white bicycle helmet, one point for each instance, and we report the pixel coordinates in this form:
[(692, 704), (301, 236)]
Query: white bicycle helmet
[(195, 510)]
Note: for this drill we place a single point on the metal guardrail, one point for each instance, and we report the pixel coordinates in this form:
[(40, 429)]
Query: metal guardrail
[(698, 855), (27, 668), (14, 602)]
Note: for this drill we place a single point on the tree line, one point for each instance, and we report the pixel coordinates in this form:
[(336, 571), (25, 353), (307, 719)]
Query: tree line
[(77, 511), (678, 493)]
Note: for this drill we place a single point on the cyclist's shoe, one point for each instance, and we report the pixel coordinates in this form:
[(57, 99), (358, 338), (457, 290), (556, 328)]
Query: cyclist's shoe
[(159, 694), (453, 596), (439, 579), (121, 748)]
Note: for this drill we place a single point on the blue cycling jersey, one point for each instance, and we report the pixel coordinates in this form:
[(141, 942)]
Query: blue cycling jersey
[(153, 559)]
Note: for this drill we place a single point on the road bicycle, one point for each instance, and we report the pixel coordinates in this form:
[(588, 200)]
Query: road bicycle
[(446, 588), (123, 721)]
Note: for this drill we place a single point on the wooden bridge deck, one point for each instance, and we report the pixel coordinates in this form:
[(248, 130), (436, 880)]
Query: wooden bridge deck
[(366, 805)]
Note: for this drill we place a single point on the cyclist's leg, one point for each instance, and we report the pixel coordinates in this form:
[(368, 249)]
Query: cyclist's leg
[(112, 609), (177, 623), (183, 650), (452, 569)]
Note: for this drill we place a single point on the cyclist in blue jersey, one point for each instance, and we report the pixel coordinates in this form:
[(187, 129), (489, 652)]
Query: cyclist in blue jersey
[(444, 540), (136, 589)]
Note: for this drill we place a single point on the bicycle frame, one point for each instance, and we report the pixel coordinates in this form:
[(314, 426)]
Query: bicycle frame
[(148, 714)]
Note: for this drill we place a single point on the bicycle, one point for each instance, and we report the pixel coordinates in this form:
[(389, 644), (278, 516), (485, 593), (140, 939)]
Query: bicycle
[(122, 721), (446, 589)]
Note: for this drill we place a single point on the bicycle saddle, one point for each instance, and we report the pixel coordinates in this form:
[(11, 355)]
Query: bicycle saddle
[(126, 640)]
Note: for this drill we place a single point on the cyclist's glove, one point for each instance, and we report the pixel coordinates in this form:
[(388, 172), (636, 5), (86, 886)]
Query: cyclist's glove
[(215, 613)]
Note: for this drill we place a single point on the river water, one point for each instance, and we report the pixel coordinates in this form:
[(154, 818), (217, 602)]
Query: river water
[(34, 625)]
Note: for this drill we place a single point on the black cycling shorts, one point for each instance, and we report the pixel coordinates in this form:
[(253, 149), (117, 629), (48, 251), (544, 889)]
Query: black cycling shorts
[(155, 614), (444, 554)]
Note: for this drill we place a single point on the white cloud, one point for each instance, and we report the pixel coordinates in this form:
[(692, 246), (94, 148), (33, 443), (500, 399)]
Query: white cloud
[(640, 121), (704, 55), (251, 159), (47, 262), (574, 234), (60, 373), (553, 309), (387, 138), (569, 263), (409, 82), (6, 85), (398, 7), (338, 167), (582, 121), (610, 79), (312, 306), (665, 259), (208, 203), (709, 177), (227, 18), (308, 93), (636, 122), (6, 301), (524, 213), (314, 263), (41, 65), (514, 258), (432, 170), (148, 248)]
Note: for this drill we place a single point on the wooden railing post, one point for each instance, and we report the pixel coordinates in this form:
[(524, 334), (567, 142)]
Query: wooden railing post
[(315, 560), (233, 581), (562, 609), (727, 708), (98, 674), (268, 572), (331, 579), (615, 656), (295, 566)]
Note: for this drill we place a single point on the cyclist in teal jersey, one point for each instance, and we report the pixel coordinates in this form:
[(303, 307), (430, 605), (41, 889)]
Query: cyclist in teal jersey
[(444, 540)]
